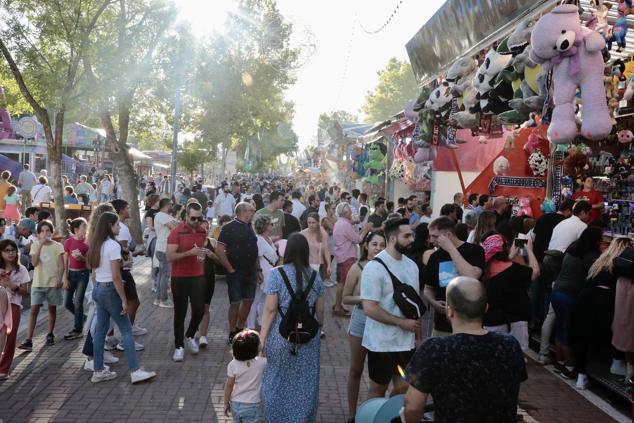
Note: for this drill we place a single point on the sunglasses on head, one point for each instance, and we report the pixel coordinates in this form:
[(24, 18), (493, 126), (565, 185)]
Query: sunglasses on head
[(197, 218)]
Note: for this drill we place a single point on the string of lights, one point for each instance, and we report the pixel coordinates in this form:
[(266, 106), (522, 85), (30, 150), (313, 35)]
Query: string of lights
[(387, 22)]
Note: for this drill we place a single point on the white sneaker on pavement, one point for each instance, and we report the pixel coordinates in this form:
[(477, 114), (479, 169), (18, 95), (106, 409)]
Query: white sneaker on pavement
[(110, 343), (138, 330), (155, 302), (137, 346), (192, 345), (110, 358), (139, 375), (166, 304), (179, 354), (89, 365), (102, 376), (582, 381), (202, 342)]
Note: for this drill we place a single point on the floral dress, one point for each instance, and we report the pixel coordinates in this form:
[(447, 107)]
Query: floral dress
[(290, 387)]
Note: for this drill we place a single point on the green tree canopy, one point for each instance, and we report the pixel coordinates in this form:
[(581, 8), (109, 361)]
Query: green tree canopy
[(397, 85), (325, 119)]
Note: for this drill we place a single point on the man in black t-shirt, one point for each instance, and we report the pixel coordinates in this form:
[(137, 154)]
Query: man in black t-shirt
[(291, 224), (544, 227), (452, 259), (378, 217), (313, 207), (473, 375)]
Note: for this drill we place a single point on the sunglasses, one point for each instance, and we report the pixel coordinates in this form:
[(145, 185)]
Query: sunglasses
[(196, 218), (10, 250)]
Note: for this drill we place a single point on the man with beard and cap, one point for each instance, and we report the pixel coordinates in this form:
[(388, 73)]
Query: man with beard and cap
[(453, 258), (389, 336), (186, 254)]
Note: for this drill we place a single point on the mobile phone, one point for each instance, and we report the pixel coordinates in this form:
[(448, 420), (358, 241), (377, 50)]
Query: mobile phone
[(520, 242)]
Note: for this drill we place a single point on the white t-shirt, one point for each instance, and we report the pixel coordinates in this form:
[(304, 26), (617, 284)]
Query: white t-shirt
[(376, 285), (225, 204), (19, 277), (566, 232), (41, 194), (248, 384), (110, 251), (162, 230), (125, 235), (267, 254), (298, 208)]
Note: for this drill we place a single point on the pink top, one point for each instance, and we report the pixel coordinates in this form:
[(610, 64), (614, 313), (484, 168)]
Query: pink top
[(345, 237), (72, 244), (316, 254)]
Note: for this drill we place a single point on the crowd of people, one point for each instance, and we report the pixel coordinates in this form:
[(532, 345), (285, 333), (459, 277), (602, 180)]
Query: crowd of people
[(487, 278)]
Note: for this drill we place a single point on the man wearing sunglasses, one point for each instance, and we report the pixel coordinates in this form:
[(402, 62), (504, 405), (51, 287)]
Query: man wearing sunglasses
[(185, 253)]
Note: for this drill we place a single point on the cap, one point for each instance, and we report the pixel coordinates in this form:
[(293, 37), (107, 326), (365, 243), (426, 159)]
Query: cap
[(493, 245)]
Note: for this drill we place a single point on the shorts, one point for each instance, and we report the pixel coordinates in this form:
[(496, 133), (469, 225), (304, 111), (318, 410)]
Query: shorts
[(129, 285), (518, 330), (382, 366), (210, 285), (52, 296), (343, 269), (357, 322), (241, 285)]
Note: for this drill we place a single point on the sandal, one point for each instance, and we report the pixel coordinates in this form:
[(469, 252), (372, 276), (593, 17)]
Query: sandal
[(341, 312)]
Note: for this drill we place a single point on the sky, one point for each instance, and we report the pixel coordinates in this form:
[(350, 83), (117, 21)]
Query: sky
[(345, 61)]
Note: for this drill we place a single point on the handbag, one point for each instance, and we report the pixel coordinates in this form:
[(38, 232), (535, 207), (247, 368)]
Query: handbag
[(405, 296)]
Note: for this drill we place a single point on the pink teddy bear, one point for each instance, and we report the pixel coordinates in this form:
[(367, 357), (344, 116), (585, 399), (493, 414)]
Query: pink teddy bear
[(574, 53)]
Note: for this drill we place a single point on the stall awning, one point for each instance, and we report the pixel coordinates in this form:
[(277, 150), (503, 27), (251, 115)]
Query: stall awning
[(138, 154), (463, 27), (160, 165)]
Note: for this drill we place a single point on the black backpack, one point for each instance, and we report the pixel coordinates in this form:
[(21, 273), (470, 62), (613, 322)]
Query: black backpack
[(298, 325), (405, 297)]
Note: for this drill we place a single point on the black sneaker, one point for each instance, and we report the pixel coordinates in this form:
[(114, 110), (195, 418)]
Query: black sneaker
[(73, 334), (231, 335), (50, 339), (27, 345)]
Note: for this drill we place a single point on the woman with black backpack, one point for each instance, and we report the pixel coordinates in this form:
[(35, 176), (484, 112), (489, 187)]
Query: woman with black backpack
[(290, 326)]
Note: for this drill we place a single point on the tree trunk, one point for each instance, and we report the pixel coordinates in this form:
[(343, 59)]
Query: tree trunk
[(125, 170), (55, 160)]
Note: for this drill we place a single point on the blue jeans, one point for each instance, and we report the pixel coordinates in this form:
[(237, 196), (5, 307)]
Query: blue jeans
[(245, 413), (74, 301), (109, 306), (163, 279)]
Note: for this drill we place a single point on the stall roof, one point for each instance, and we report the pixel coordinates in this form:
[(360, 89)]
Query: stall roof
[(481, 22), (138, 154)]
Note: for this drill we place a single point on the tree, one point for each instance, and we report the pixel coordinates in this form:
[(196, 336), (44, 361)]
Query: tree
[(397, 85), (326, 119), (48, 40), (116, 70), (240, 82)]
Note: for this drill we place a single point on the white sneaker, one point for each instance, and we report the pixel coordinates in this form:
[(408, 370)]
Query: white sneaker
[(110, 343), (137, 346), (618, 367), (138, 330), (102, 376), (166, 304), (139, 375), (90, 365), (582, 381), (155, 302), (179, 354), (545, 359), (202, 342), (192, 345), (110, 358)]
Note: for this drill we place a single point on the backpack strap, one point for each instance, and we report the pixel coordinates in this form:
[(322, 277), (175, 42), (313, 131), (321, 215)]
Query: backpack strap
[(395, 281), (310, 284), (287, 282), (289, 288)]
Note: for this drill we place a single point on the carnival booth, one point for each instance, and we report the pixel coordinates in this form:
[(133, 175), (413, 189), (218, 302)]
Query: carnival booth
[(527, 99)]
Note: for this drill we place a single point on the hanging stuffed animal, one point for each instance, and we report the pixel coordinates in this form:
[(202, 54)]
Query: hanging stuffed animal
[(501, 166), (625, 136), (574, 54), (619, 29), (538, 163)]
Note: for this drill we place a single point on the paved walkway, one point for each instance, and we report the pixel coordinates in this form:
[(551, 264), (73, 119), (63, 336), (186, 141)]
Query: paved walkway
[(49, 384)]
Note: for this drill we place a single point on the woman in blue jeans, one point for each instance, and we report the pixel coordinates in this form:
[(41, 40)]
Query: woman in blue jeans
[(76, 274), (571, 279), (104, 258)]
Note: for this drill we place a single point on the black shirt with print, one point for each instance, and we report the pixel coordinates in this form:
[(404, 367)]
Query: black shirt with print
[(472, 378)]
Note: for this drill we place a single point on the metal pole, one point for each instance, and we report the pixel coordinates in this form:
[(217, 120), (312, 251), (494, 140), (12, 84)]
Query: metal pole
[(177, 118)]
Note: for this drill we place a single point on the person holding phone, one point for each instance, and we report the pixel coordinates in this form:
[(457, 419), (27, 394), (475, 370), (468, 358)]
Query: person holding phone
[(186, 254), (48, 263)]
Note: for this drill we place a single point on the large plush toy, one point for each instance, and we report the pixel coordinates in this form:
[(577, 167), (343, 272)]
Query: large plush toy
[(501, 166), (574, 54)]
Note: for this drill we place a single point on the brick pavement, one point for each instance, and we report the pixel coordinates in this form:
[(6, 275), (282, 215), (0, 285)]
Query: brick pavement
[(50, 384)]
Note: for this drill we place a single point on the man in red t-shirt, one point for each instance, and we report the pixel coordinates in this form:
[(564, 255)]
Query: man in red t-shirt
[(593, 197), (185, 252)]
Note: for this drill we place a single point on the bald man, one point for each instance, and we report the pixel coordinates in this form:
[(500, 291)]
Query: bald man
[(471, 373)]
